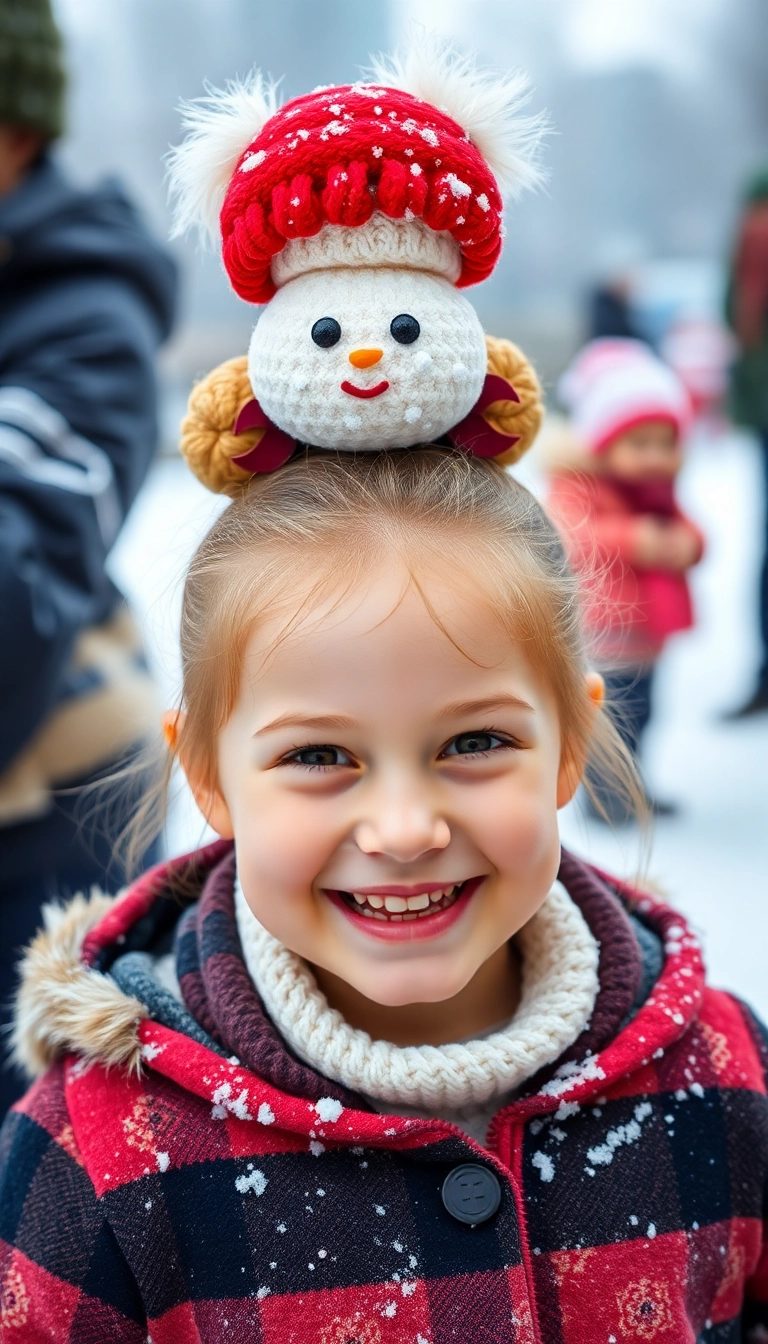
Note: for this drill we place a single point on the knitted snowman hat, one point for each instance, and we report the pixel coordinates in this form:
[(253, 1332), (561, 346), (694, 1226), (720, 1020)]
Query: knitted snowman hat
[(615, 384), (355, 214)]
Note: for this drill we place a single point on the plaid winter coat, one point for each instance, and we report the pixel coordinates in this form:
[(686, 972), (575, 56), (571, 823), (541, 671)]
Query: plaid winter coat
[(203, 1199)]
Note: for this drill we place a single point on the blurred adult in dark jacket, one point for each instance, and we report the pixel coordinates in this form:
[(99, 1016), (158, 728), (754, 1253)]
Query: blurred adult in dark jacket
[(747, 313), (609, 311), (86, 297)]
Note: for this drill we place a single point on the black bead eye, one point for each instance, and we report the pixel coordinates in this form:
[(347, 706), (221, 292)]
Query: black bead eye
[(326, 332), (405, 328)]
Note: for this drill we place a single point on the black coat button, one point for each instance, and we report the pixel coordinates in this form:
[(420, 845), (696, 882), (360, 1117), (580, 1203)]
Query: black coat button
[(471, 1193)]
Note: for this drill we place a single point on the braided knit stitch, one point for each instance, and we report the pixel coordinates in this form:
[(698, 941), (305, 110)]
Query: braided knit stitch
[(560, 984)]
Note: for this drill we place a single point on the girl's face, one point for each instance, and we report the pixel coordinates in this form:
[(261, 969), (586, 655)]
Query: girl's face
[(393, 789)]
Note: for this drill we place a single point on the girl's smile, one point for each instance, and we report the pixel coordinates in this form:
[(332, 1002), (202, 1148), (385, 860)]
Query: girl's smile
[(402, 914)]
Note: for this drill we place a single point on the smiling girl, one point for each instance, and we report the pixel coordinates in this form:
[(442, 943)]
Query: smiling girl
[(382, 1064)]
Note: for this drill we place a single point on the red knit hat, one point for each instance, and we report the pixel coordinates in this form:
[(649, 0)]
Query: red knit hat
[(433, 140), (337, 155)]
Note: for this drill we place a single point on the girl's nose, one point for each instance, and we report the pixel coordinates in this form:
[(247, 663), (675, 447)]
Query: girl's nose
[(365, 359), (404, 834)]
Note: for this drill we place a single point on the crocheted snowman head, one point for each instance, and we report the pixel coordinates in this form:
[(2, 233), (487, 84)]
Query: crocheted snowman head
[(356, 214)]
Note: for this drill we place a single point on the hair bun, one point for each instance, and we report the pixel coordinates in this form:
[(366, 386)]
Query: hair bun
[(207, 441), (521, 417)]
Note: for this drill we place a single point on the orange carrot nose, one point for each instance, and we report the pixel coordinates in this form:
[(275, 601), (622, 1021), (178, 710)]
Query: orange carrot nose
[(365, 359)]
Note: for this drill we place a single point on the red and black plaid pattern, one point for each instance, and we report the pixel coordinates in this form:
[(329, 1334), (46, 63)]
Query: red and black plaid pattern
[(201, 1202)]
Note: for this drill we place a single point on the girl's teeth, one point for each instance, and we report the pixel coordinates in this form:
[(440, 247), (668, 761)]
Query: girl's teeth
[(401, 907), (395, 904), (420, 902)]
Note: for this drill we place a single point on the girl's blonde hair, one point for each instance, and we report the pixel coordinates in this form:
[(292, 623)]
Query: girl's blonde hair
[(320, 524)]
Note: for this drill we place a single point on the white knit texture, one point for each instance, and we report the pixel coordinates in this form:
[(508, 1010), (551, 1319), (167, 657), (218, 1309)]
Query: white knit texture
[(408, 244), (433, 383), (560, 984)]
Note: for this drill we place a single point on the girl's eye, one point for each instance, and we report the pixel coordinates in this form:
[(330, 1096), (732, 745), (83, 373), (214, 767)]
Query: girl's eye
[(320, 757), (473, 744), (405, 329), (326, 332)]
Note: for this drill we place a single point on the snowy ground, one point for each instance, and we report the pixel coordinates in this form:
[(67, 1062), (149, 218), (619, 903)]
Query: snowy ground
[(713, 860)]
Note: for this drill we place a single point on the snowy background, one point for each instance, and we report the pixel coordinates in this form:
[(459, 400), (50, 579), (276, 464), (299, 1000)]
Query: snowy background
[(659, 111)]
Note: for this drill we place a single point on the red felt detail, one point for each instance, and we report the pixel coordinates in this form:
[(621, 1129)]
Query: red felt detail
[(473, 434), (274, 448), (323, 167), (250, 416), (495, 388)]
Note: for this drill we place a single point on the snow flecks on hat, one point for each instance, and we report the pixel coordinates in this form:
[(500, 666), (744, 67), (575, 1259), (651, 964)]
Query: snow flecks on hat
[(350, 162), (351, 156)]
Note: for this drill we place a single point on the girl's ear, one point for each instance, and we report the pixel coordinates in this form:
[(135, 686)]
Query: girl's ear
[(209, 800), (572, 769)]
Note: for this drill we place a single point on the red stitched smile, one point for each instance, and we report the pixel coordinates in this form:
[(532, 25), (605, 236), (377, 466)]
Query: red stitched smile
[(364, 391)]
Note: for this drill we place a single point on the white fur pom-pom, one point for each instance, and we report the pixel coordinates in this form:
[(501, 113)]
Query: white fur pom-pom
[(219, 127), (488, 106)]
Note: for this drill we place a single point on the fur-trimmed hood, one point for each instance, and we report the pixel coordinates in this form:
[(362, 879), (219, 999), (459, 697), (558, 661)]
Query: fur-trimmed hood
[(63, 1005)]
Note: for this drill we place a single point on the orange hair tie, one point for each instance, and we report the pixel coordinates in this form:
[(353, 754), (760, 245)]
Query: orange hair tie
[(171, 730)]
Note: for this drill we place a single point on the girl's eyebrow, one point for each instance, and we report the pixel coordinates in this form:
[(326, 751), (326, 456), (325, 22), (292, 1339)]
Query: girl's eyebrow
[(291, 720), (461, 708)]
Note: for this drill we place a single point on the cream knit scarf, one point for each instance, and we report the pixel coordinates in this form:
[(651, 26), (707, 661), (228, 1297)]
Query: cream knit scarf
[(560, 984)]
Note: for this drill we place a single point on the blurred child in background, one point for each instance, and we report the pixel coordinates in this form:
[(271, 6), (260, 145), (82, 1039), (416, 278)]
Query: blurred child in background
[(747, 314), (613, 495)]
